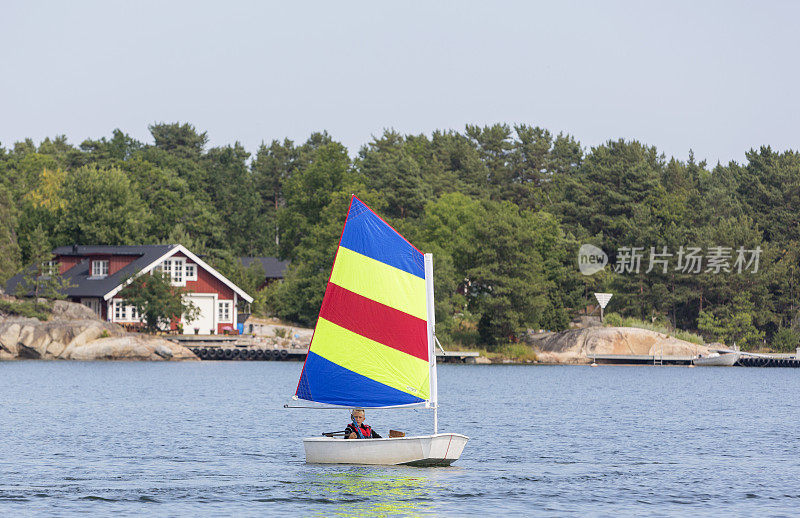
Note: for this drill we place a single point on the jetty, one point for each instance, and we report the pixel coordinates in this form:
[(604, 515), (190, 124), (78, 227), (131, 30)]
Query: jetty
[(254, 348), (746, 360)]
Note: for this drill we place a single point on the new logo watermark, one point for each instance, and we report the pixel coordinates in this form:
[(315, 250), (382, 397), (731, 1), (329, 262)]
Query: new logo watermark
[(591, 259), (689, 259)]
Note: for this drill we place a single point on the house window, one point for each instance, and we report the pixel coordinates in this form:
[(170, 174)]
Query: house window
[(177, 272), (99, 268), (190, 271), (125, 312), (49, 268), (224, 311), (120, 311), (92, 303), (166, 267), (173, 269)]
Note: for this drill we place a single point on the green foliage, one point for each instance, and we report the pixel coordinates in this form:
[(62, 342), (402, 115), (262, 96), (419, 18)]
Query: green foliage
[(733, 324), (179, 139), (500, 252), (41, 279), (9, 247), (502, 208), (260, 306), (158, 301), (786, 340), (26, 308), (101, 207), (517, 352)]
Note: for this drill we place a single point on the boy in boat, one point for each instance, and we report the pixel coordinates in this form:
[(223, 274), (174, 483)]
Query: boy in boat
[(357, 429)]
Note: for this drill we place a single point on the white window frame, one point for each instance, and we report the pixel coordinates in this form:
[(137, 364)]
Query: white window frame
[(92, 303), (173, 269), (166, 267), (120, 311), (100, 268), (49, 268), (124, 312), (187, 267), (178, 278), (224, 312)]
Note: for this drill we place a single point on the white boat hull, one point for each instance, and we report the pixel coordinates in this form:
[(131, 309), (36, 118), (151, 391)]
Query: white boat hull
[(723, 360), (426, 450)]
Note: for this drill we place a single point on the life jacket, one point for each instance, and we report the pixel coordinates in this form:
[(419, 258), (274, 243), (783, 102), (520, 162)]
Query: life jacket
[(366, 431)]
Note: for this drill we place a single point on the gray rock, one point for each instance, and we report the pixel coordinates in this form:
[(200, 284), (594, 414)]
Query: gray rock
[(33, 341), (77, 334), (163, 351), (578, 345), (9, 337), (131, 347), (63, 310)]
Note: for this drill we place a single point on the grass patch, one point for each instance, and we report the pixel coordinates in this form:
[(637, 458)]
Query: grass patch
[(517, 352), (617, 320), (26, 308)]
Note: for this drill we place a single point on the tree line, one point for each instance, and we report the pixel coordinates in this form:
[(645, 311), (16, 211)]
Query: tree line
[(504, 209)]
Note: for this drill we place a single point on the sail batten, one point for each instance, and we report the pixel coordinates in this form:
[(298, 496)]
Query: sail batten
[(371, 345)]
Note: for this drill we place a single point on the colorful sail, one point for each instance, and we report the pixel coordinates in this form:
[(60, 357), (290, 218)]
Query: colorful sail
[(370, 347)]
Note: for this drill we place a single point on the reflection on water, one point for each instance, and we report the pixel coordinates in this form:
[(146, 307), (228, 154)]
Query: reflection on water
[(366, 491)]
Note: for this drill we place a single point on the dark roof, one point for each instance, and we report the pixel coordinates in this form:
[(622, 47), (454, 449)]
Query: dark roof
[(85, 286), (85, 250), (273, 267)]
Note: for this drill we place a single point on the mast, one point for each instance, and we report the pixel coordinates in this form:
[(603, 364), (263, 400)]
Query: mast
[(434, 389)]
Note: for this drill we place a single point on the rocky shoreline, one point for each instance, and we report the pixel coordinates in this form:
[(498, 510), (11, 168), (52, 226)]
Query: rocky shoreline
[(577, 346), (74, 332)]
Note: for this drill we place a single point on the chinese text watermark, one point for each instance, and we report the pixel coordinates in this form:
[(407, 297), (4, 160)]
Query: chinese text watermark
[(689, 260)]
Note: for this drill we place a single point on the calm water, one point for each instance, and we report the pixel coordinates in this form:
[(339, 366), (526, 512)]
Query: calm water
[(212, 438)]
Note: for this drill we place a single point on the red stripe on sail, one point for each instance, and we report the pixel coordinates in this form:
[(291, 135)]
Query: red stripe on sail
[(375, 321)]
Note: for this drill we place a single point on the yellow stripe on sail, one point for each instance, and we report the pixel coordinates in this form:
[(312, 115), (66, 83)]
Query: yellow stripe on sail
[(380, 282), (371, 359)]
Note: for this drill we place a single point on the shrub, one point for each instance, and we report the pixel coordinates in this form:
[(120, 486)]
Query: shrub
[(518, 352), (26, 308), (785, 340)]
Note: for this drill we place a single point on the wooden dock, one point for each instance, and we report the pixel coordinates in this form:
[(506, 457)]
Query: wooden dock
[(640, 359), (746, 360), (220, 347), (764, 361)]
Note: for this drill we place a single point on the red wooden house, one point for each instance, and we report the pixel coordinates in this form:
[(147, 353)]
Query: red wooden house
[(98, 273)]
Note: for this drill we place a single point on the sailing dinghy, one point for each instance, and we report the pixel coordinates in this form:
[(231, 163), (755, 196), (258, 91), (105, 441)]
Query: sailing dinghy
[(374, 345)]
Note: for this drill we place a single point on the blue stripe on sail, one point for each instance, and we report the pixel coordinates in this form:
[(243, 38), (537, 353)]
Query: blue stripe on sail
[(339, 386), (369, 235)]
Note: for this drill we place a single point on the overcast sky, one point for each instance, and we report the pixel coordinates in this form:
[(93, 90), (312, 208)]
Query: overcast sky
[(716, 77)]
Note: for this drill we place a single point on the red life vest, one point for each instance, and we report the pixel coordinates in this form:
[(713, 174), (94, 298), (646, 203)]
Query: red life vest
[(366, 431)]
